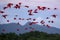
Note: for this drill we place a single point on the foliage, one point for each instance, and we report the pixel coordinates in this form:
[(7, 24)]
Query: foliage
[(30, 36)]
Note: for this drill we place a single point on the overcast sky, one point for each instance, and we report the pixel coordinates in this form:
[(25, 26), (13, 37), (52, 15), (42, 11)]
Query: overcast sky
[(41, 15)]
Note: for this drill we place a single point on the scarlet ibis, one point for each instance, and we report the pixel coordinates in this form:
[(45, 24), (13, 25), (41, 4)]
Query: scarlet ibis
[(30, 12), (4, 16), (33, 23), (47, 17), (9, 5), (35, 11), (14, 18), (42, 22), (26, 28), (54, 15), (17, 6), (1, 11), (48, 26), (52, 21), (5, 8), (7, 20), (34, 19), (17, 29), (55, 8), (48, 8), (38, 7), (27, 6), (19, 18), (43, 8), (20, 3), (3, 30)]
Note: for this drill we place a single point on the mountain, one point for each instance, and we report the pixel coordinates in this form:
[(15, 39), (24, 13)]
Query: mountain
[(13, 27)]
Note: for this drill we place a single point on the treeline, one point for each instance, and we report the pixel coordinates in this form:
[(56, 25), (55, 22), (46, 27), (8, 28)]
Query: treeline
[(36, 35)]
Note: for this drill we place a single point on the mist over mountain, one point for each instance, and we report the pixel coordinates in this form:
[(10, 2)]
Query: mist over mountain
[(13, 27)]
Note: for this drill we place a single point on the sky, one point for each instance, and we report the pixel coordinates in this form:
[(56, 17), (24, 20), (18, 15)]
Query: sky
[(22, 12)]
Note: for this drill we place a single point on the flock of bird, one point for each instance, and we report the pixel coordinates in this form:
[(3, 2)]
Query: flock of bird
[(30, 13)]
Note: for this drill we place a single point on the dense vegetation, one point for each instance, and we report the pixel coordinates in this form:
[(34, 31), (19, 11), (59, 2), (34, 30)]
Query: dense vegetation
[(30, 36)]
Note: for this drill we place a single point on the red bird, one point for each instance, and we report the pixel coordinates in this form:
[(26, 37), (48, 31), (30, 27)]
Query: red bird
[(47, 18), (55, 8), (33, 23), (26, 28), (42, 22), (30, 12), (43, 8), (3, 30), (39, 7), (52, 21), (20, 19), (17, 29), (34, 19), (48, 26), (14, 18), (27, 6), (18, 23), (5, 8), (1, 11), (49, 21), (32, 29), (28, 19), (4, 16), (9, 5), (54, 15), (19, 3), (48, 8), (17, 6), (35, 11), (7, 20)]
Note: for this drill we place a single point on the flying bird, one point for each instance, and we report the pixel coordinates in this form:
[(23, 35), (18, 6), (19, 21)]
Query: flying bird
[(1, 11), (33, 23), (48, 26), (38, 7), (25, 28), (17, 6), (4, 16), (3, 30), (30, 12), (47, 17), (34, 19), (54, 15), (55, 8), (20, 3), (35, 11), (42, 22), (48, 8), (9, 5), (5, 8), (52, 21), (27, 6), (14, 18), (17, 29), (7, 20), (43, 8)]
